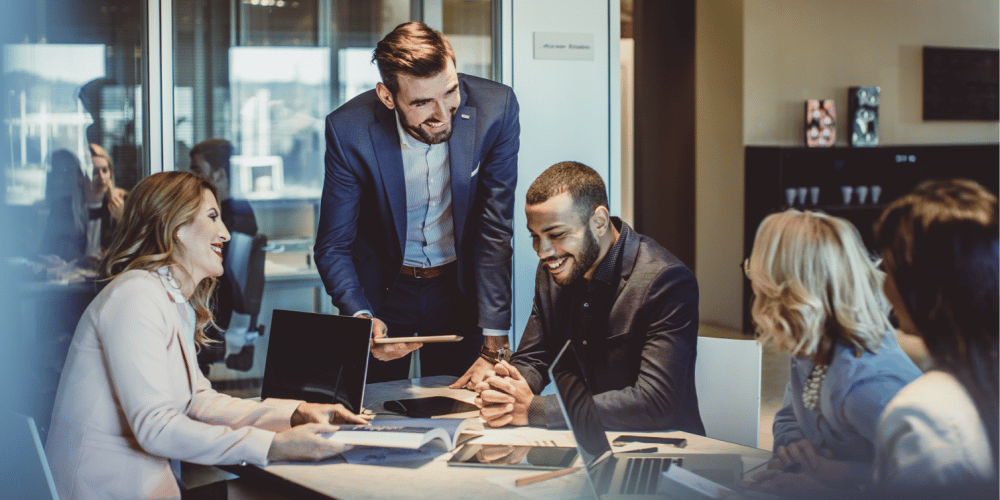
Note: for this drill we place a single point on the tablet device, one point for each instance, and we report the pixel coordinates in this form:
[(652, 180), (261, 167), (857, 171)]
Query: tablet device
[(516, 457), (427, 340), (428, 407)]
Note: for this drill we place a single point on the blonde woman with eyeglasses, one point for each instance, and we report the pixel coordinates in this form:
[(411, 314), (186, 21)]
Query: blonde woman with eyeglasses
[(818, 296)]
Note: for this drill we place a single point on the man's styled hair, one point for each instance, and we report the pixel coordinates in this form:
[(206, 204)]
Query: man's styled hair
[(217, 152), (814, 284), (413, 49), (583, 184)]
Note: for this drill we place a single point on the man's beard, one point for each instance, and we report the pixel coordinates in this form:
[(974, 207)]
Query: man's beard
[(583, 262), (425, 136)]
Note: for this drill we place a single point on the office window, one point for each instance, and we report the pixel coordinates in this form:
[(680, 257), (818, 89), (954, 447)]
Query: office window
[(70, 76)]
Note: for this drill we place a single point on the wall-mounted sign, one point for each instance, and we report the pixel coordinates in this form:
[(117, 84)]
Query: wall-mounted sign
[(564, 46)]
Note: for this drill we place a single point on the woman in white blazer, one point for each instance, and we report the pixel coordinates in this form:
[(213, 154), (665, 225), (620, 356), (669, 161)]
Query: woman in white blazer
[(132, 402), (939, 436)]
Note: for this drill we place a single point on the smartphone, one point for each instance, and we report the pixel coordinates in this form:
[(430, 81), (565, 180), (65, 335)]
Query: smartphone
[(427, 340), (630, 438), (517, 457)]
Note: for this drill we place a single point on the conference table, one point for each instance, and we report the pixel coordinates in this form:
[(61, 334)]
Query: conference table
[(428, 476)]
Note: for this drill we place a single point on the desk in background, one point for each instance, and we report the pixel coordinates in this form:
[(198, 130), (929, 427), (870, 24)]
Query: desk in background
[(435, 479)]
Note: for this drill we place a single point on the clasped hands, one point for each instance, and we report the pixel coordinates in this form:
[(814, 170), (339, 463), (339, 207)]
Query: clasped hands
[(503, 396)]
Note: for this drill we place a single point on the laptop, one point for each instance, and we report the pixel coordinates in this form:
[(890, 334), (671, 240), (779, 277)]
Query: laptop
[(320, 358), (624, 475)]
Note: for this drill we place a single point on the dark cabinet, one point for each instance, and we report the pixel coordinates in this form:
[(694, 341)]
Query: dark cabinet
[(822, 173)]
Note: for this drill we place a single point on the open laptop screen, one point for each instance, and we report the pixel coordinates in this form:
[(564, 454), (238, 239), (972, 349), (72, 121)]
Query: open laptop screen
[(320, 358), (578, 404)]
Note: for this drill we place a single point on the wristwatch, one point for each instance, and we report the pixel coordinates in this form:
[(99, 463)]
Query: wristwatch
[(496, 355)]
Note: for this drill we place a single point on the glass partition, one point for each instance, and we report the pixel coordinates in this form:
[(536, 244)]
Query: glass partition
[(71, 80)]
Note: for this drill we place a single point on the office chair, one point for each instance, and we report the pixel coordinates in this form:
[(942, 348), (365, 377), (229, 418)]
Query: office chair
[(24, 469), (245, 267)]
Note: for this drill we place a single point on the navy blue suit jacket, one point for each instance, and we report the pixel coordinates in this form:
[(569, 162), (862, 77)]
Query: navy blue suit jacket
[(362, 222)]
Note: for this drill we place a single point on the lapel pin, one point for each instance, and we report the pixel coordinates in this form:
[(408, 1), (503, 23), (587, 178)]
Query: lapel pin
[(465, 116)]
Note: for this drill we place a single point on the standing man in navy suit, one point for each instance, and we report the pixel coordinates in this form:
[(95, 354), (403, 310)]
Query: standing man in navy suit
[(415, 225)]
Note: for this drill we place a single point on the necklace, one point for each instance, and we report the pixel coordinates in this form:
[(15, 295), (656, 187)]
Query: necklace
[(171, 284), (810, 395)]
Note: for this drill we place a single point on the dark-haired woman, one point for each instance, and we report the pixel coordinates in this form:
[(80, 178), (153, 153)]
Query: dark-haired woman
[(939, 248)]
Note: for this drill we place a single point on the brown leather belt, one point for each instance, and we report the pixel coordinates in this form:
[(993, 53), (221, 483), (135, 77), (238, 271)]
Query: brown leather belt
[(426, 272)]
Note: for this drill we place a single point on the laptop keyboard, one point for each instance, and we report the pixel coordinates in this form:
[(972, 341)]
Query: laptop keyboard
[(642, 475)]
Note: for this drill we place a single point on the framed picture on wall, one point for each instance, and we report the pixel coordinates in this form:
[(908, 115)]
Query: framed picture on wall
[(961, 84)]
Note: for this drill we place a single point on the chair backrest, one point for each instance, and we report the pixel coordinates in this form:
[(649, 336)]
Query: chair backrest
[(727, 378), (24, 470), (245, 267)]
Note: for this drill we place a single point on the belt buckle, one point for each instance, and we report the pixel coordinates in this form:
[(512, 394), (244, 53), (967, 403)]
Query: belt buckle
[(420, 272)]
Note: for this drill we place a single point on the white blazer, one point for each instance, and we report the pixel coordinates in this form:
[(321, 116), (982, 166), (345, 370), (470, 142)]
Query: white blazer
[(131, 397)]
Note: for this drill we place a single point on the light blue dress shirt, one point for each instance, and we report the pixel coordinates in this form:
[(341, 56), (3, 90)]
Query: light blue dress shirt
[(430, 228)]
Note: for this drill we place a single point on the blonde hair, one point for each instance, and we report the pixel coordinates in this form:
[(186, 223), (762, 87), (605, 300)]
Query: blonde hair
[(146, 237), (96, 151), (814, 284)]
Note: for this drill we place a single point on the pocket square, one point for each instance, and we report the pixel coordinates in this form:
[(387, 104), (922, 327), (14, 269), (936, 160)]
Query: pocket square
[(476, 171)]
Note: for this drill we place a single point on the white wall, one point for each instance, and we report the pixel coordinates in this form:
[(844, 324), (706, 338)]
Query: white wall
[(570, 110), (758, 60)]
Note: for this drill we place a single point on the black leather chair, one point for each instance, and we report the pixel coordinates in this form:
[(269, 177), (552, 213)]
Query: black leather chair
[(244, 266)]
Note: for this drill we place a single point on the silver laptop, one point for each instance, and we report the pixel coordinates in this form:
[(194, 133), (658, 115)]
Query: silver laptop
[(623, 475), (320, 358)]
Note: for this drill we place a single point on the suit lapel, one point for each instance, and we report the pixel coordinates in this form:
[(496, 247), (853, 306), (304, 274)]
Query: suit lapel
[(190, 358), (461, 151), (385, 140)]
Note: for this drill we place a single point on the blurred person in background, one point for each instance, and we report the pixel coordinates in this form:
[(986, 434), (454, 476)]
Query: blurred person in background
[(104, 204), (211, 159), (64, 238)]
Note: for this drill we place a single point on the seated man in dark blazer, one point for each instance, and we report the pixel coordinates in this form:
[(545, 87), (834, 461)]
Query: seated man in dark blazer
[(628, 305)]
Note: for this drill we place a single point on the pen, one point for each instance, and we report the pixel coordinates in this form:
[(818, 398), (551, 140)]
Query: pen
[(524, 481)]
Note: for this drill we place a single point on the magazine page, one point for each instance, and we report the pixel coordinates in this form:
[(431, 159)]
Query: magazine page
[(403, 433)]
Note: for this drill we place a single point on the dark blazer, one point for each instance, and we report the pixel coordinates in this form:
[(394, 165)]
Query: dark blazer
[(362, 222), (641, 369)]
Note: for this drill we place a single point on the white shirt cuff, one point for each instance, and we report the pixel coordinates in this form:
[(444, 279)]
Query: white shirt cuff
[(489, 332)]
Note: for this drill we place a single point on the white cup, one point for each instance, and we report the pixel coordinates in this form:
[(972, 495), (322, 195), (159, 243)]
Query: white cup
[(876, 193), (803, 191), (790, 196), (814, 195), (862, 194), (846, 192)]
